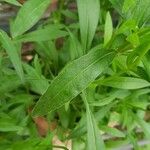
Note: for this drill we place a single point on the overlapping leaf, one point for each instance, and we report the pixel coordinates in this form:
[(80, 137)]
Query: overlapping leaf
[(47, 33), (74, 78), (94, 139), (137, 10), (12, 52), (28, 15)]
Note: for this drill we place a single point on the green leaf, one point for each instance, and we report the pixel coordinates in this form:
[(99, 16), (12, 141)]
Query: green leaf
[(113, 131), (37, 82), (136, 55), (133, 39), (120, 94), (80, 129), (145, 35), (14, 2), (89, 11), (139, 104), (117, 4), (12, 52), (146, 63), (94, 139), (22, 98), (75, 47), (47, 33), (8, 124), (127, 27), (9, 83), (124, 82), (144, 125), (78, 144), (33, 143), (74, 78), (127, 5), (139, 12), (64, 117), (48, 52), (108, 29), (28, 15), (69, 14)]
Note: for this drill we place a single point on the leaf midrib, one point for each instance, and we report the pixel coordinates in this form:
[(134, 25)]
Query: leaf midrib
[(74, 79), (19, 30)]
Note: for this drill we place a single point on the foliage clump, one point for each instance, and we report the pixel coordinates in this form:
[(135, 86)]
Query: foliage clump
[(76, 71)]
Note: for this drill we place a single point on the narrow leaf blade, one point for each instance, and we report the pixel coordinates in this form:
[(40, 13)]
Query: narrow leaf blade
[(94, 140), (74, 78), (108, 29), (124, 82), (88, 11), (28, 15), (12, 53), (45, 34)]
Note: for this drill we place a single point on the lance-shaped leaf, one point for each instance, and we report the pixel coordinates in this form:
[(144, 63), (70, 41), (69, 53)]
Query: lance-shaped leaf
[(47, 33), (124, 82), (28, 15), (89, 11), (108, 29), (94, 139), (74, 78), (12, 53)]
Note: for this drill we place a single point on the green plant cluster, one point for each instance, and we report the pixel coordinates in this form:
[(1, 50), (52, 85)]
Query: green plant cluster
[(90, 73)]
